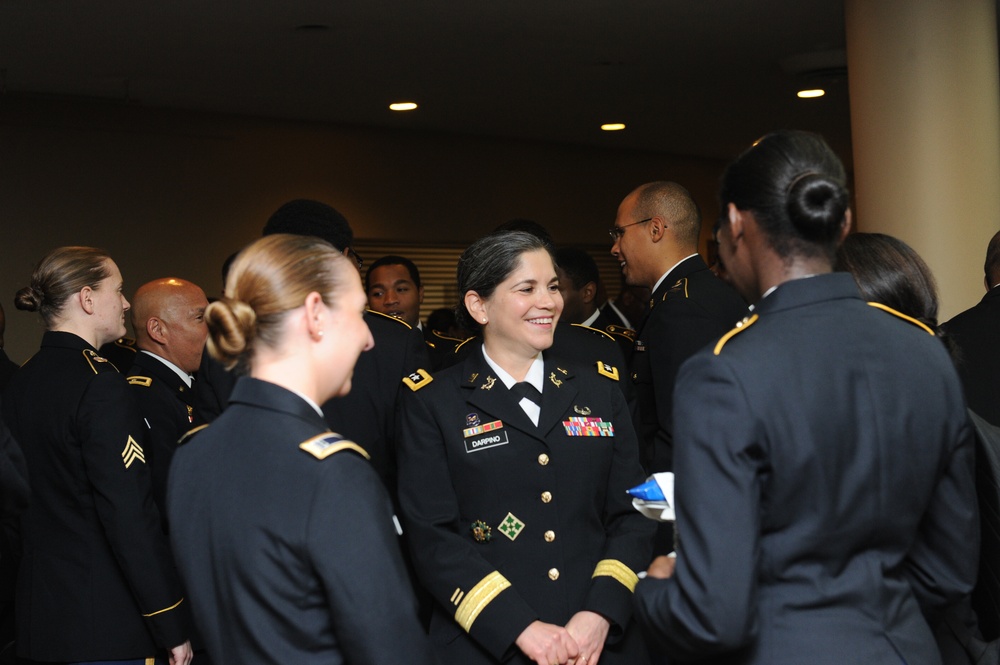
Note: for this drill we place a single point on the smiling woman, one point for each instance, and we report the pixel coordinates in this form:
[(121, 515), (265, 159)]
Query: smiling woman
[(511, 578)]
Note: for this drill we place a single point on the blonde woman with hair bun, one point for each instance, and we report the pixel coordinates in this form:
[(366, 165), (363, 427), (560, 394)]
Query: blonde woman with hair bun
[(96, 580), (283, 532)]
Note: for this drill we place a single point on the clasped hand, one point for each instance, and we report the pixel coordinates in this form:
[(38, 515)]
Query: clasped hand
[(579, 643)]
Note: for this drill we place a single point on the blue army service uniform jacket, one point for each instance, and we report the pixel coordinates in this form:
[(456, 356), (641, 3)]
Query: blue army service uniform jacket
[(509, 522), (167, 405), (690, 309), (824, 486), (284, 536), (97, 581)]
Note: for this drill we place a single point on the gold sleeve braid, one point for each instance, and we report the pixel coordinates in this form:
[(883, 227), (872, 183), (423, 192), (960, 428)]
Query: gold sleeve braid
[(478, 598), (617, 570)]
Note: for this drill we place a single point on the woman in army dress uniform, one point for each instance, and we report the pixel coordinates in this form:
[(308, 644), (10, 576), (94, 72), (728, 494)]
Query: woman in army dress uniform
[(96, 582), (824, 480), (513, 472), (282, 530)]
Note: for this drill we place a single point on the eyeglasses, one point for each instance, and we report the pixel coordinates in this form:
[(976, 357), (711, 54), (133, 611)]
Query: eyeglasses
[(616, 232), (357, 257)]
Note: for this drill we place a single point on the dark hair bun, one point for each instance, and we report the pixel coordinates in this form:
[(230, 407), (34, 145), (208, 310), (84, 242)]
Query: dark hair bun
[(816, 206), (28, 299), (231, 328)]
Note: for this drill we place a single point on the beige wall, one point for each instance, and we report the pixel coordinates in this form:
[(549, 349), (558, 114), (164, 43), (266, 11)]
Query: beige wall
[(170, 193)]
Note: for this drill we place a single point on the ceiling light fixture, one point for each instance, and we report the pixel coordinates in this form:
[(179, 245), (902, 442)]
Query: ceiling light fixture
[(402, 106), (613, 126), (810, 94)]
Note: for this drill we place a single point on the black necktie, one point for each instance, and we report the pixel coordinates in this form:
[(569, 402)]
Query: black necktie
[(525, 389)]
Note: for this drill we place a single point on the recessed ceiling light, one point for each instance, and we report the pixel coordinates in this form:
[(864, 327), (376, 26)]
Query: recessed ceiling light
[(613, 126), (810, 94), (402, 106)]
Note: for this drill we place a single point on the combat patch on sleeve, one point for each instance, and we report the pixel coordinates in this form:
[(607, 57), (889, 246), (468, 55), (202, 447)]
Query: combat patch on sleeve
[(328, 443), (417, 380), (143, 381)]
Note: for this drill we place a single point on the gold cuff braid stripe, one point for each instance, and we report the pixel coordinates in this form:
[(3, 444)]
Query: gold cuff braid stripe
[(478, 598), (165, 609), (617, 570)]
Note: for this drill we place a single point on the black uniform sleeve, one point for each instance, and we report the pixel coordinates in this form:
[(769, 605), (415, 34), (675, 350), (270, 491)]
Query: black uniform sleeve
[(13, 475), (470, 588), (677, 333), (941, 567), (355, 551), (629, 541), (111, 432), (709, 605)]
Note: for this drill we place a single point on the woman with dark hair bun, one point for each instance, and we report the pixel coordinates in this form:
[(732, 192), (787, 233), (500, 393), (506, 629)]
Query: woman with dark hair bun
[(514, 467), (96, 581), (824, 481), (888, 271), (282, 529)]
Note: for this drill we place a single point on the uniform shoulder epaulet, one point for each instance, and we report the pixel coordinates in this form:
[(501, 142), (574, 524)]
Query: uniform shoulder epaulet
[(909, 319), (464, 342), (98, 363), (391, 318), (417, 380), (621, 331), (190, 433), (126, 343), (144, 381), (599, 332), (439, 335), (740, 327), (680, 287), (328, 443), (610, 371)]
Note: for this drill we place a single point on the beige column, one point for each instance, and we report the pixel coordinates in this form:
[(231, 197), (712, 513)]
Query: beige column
[(925, 121)]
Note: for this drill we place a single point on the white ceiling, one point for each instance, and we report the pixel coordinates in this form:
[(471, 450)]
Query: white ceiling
[(690, 77)]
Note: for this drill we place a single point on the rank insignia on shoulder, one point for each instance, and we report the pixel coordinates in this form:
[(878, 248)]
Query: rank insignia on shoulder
[(190, 433), (417, 380), (132, 452), (511, 526), (327, 444), (481, 531), (604, 369), (143, 381)]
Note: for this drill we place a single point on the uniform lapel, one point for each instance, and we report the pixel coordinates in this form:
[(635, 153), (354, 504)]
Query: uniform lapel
[(486, 392), (559, 392)]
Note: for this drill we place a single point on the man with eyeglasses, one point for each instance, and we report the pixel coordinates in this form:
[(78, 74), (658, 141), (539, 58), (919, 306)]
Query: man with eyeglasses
[(655, 238)]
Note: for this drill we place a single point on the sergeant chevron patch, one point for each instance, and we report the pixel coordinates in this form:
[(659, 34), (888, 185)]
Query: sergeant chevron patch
[(133, 451)]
